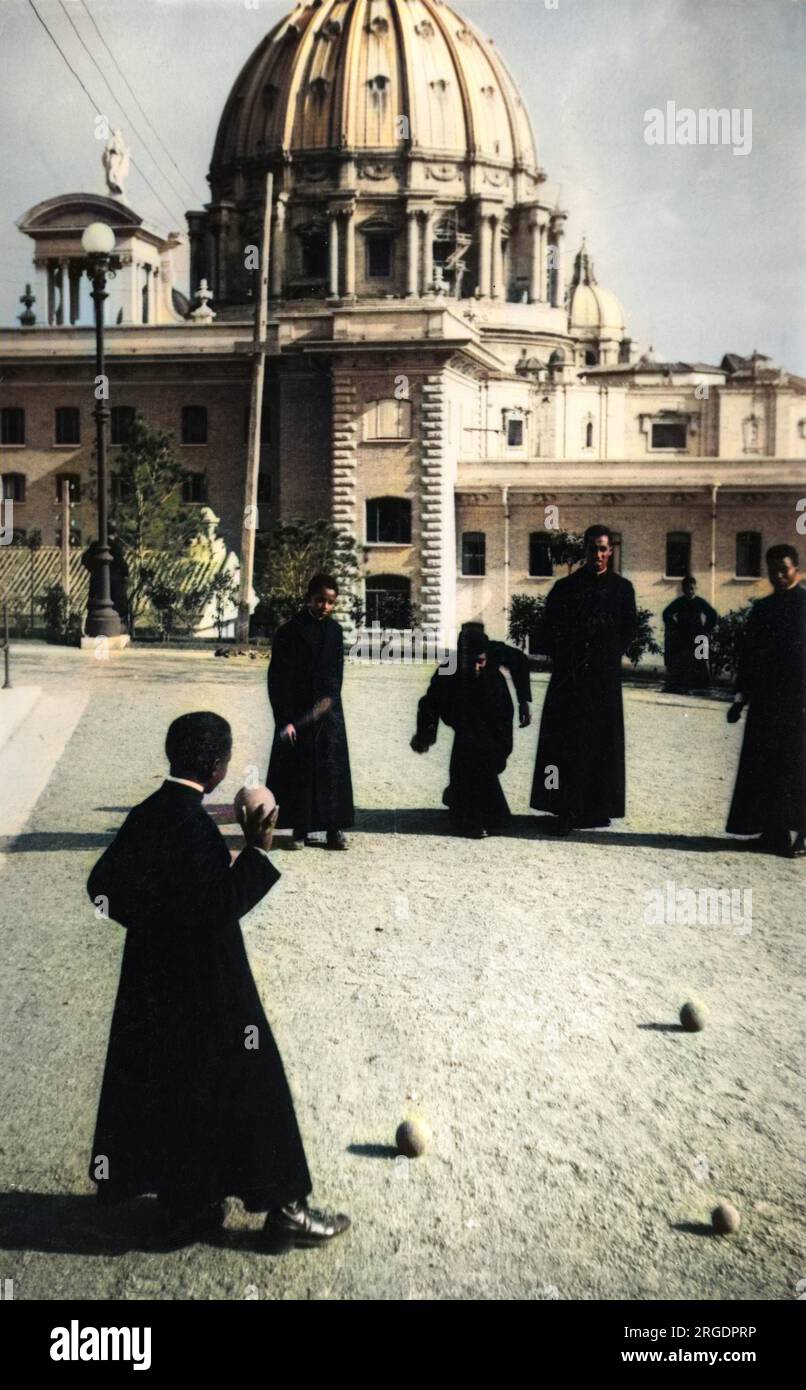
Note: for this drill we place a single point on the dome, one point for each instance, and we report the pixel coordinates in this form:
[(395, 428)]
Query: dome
[(376, 77), (592, 310)]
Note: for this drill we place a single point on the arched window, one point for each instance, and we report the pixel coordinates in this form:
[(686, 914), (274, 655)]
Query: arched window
[(591, 358), (678, 554), (388, 521), (589, 435), (388, 601), (748, 555), (194, 487), (387, 419), (541, 565), (474, 553)]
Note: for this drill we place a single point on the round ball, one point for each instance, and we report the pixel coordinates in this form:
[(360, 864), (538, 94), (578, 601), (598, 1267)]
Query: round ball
[(692, 1017), (725, 1219), (250, 799), (413, 1137)]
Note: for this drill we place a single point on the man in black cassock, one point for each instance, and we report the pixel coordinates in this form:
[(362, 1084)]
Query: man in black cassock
[(687, 620), (590, 620), (769, 799), (194, 1104), (475, 702), (309, 766)]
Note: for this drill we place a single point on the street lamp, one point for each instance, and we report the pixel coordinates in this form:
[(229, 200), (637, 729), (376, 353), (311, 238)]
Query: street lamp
[(98, 242)]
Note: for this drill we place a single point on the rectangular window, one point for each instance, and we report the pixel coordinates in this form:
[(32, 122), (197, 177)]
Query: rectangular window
[(474, 553), (388, 521), (678, 555), (12, 425), (67, 427), (74, 480), (748, 555), (14, 487), (264, 488), (515, 433), (669, 435), (388, 419), (194, 424), (541, 564), (194, 487), (379, 257), (121, 423)]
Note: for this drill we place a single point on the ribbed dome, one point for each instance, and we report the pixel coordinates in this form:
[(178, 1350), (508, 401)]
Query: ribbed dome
[(339, 74), (592, 309)]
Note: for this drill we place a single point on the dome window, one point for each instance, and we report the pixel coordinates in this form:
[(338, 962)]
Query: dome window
[(464, 35), (319, 88), (488, 92), (270, 95), (440, 85), (378, 25), (330, 30), (425, 29), (379, 84)]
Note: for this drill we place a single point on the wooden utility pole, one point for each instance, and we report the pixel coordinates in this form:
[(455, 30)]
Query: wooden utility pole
[(65, 509), (255, 417)]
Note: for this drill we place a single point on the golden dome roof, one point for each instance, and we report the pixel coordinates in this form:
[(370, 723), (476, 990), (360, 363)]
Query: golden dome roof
[(375, 76)]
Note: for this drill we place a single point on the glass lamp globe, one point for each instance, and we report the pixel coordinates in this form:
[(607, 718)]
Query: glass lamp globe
[(98, 239)]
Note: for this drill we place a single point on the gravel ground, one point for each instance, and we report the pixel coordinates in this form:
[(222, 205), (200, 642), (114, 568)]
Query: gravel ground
[(508, 991)]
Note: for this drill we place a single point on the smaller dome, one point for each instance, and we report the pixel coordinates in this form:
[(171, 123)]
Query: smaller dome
[(592, 310)]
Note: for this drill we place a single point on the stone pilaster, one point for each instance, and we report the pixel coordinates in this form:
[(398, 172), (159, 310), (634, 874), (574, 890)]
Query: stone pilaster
[(345, 463), (433, 561)]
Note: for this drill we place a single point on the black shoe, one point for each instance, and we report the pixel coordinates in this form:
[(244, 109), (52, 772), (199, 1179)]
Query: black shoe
[(336, 839), (177, 1231), (299, 1224)]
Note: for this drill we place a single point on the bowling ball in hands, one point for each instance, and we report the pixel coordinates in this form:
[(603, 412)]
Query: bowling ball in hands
[(256, 809)]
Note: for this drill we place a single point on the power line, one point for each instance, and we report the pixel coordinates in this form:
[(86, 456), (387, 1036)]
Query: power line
[(96, 107), (188, 185), (116, 98)]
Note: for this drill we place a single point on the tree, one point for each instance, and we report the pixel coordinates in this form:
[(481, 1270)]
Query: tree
[(525, 619), (290, 554), (726, 639), (644, 643), (148, 509)]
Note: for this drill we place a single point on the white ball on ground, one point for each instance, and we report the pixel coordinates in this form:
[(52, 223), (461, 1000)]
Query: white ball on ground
[(413, 1137), (725, 1219), (250, 799)]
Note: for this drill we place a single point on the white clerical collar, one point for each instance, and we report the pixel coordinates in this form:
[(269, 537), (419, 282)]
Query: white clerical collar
[(183, 781)]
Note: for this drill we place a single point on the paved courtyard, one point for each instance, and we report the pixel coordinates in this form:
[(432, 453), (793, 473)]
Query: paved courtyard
[(509, 991)]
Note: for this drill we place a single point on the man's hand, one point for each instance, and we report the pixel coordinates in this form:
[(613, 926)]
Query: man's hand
[(290, 733), (258, 830), (735, 711), (418, 745), (525, 714)]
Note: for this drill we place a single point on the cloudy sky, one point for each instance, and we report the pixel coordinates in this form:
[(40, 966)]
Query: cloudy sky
[(705, 248)]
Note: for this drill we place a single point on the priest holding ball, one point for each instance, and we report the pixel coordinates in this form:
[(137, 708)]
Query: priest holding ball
[(194, 1104)]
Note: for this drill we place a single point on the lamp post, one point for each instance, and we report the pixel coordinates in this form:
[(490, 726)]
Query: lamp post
[(98, 243)]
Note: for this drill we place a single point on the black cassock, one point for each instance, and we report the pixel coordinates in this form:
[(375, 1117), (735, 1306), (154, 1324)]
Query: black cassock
[(310, 778), (685, 620), (479, 710), (770, 792), (589, 623), (193, 1106)]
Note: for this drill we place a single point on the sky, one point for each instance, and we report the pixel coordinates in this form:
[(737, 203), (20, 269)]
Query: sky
[(705, 248)]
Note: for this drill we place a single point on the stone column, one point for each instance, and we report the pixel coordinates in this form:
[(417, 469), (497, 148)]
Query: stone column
[(544, 271), (428, 252), (278, 249), (499, 288), (349, 253), (557, 229), (51, 273), (64, 276), (333, 248), (485, 254), (535, 245), (413, 254), (75, 293)]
